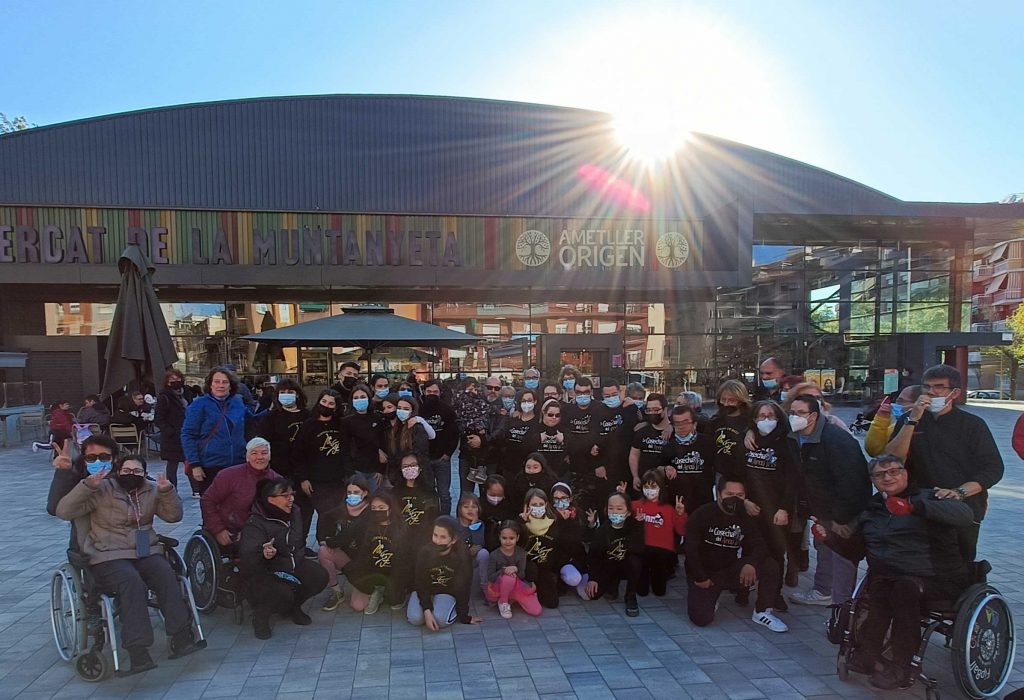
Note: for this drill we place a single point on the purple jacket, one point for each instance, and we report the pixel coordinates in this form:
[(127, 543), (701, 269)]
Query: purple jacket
[(228, 500)]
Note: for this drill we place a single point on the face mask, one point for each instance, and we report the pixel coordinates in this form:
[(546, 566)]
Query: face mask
[(431, 400), (382, 393), (379, 516), (797, 423), (403, 414), (353, 499), (97, 466), (640, 403), (687, 439), (361, 405), (174, 385), (538, 511), (561, 503), (405, 392), (651, 494), (495, 500), (531, 383), (583, 399), (348, 382), (770, 383), (612, 401), (325, 411), (783, 395), (767, 425), (130, 482), (287, 400), (897, 410), (475, 526), (442, 548), (528, 406), (388, 415), (938, 403), (568, 384), (732, 504), (616, 518), (655, 418), (508, 403), (410, 473)]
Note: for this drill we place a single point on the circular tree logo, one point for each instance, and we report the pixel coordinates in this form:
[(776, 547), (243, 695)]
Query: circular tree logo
[(672, 249), (533, 248)]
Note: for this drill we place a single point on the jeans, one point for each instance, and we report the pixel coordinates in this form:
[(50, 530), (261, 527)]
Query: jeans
[(130, 580), (441, 469), (834, 575)]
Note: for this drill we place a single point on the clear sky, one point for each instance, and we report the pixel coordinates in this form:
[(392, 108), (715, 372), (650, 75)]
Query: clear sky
[(922, 100)]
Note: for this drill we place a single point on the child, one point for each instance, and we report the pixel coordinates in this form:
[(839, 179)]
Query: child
[(442, 580), (663, 525), (616, 553), (337, 523), (495, 508), (416, 499), (471, 531), (506, 574), (535, 475), (564, 505), (378, 547), (549, 548)]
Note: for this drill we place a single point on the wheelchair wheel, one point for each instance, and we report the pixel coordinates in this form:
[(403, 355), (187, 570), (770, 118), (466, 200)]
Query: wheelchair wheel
[(202, 561), (984, 642), (67, 615), (92, 666)]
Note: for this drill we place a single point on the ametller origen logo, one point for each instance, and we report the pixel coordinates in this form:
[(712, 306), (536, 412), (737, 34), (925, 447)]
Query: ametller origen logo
[(672, 249), (533, 248)]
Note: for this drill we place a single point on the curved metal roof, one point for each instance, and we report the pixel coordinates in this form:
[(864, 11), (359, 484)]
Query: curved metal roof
[(406, 155)]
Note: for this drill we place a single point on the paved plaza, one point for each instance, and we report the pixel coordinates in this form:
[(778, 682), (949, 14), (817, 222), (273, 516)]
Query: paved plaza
[(586, 650)]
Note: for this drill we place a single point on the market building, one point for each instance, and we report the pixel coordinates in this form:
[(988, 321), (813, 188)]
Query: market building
[(528, 225)]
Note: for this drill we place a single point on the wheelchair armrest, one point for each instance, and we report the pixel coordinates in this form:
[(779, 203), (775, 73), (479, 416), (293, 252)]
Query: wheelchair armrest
[(980, 570), (167, 541)]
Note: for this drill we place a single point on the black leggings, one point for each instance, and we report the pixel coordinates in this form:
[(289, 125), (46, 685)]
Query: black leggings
[(270, 594), (610, 572), (658, 565)]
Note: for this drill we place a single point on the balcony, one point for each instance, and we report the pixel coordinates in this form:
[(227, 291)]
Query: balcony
[(1007, 296), (982, 272), (979, 301), (1008, 265)]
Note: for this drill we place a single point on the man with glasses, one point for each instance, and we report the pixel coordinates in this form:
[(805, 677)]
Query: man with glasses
[(837, 489), (949, 450), (689, 460), (649, 438), (909, 537)]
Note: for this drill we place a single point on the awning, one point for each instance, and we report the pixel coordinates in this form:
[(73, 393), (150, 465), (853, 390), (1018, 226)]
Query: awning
[(12, 360), (997, 283)]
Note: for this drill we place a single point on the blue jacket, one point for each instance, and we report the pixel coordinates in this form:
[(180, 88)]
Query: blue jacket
[(205, 447)]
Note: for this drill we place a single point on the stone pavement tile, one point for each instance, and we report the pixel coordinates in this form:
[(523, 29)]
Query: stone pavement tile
[(439, 640), (637, 655), (705, 691), (808, 685), (660, 683), (589, 685), (186, 690), (372, 670), (471, 649), (444, 690), (478, 680), (560, 696), (302, 695), (616, 672), (631, 693), (573, 658), (534, 645), (508, 662), (516, 688), (548, 676), (440, 665)]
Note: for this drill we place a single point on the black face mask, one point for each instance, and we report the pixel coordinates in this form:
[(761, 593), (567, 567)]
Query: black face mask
[(379, 516), (348, 382), (430, 400), (324, 411), (442, 548), (130, 482), (732, 504), (655, 418), (388, 415), (176, 386)]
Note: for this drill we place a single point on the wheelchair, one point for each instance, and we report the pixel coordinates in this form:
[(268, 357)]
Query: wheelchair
[(213, 575), (978, 629), (83, 617)]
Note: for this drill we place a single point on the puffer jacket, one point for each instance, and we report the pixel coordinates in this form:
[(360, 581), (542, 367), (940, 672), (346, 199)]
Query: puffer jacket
[(208, 439), (112, 520), (170, 416), (227, 502), (262, 528)]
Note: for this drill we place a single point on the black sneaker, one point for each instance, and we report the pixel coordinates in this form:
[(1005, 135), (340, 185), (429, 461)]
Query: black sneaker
[(184, 643), (261, 626), (892, 677), (743, 597), (862, 662), (301, 618), (310, 554), (632, 608), (141, 661)]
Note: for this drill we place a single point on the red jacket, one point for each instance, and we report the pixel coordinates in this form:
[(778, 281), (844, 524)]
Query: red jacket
[(1018, 437), (228, 500), (62, 420), (662, 525)]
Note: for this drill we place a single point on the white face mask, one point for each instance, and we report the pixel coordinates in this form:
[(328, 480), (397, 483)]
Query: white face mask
[(797, 423), (938, 403), (767, 425), (651, 494), (538, 511), (527, 406)]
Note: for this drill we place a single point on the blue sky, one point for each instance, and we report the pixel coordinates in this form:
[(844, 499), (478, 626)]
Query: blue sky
[(922, 100)]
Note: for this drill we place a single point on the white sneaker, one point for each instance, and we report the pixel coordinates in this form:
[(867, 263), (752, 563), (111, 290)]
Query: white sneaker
[(768, 619), (375, 600), (35, 447), (811, 597), (505, 610)]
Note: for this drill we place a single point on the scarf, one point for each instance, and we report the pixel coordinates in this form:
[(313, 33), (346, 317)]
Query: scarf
[(539, 527)]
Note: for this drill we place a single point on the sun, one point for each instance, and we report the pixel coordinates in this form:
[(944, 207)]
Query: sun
[(651, 132)]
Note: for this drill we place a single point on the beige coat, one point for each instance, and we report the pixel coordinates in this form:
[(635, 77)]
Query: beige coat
[(111, 519)]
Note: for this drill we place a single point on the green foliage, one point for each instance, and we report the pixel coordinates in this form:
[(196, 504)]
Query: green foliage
[(1015, 323), (9, 126)]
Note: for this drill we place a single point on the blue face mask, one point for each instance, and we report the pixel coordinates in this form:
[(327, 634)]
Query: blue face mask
[(612, 401), (508, 403), (405, 392), (475, 526), (686, 440), (617, 518), (97, 466), (640, 403), (770, 383), (361, 404), (403, 414), (382, 393), (531, 383), (353, 499), (897, 410), (287, 400), (583, 399), (561, 504), (569, 384)]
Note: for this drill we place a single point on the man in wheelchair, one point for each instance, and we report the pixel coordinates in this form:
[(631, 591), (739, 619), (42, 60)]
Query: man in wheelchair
[(910, 540), (125, 555)]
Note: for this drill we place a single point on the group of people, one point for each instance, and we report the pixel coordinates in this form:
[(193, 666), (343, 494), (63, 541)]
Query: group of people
[(565, 488)]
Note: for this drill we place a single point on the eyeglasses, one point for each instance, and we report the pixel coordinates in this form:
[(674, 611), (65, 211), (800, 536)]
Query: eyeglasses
[(891, 473), (492, 388), (688, 421), (936, 388), (553, 415), (133, 472), (101, 457), (803, 414), (288, 494)]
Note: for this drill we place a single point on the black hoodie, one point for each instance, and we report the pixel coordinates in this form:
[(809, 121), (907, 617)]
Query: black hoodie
[(450, 574)]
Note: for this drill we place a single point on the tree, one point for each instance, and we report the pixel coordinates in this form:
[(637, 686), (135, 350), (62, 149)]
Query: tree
[(9, 126), (1015, 352)]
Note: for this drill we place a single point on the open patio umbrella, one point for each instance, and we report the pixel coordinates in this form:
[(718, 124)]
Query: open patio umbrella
[(140, 346)]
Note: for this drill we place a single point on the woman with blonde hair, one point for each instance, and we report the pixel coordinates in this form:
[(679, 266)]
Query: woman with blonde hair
[(730, 423)]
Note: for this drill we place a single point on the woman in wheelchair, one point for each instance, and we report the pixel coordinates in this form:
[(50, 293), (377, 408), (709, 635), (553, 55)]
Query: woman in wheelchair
[(279, 578), (125, 555), (910, 541)]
